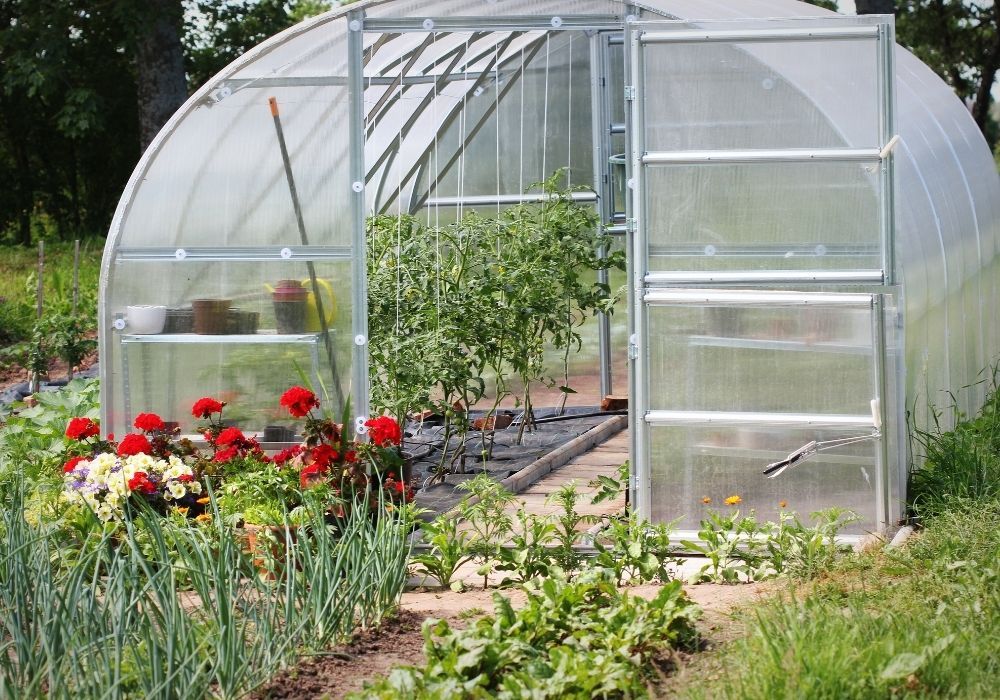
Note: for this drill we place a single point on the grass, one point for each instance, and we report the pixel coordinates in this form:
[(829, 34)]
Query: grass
[(919, 621), (19, 278)]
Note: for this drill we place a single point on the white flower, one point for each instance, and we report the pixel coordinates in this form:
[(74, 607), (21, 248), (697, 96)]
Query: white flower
[(105, 512), (176, 490)]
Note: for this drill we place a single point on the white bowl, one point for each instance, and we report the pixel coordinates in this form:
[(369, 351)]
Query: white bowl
[(146, 320)]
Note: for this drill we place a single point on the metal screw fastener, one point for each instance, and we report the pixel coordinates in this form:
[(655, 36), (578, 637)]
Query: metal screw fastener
[(428, 24), (556, 22), (180, 254), (354, 25), (358, 187), (119, 324), (360, 340), (286, 253), (359, 425)]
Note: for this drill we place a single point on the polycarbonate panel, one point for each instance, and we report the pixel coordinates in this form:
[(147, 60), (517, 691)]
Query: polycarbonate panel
[(693, 463), (763, 216), (716, 96), (163, 369), (768, 359)]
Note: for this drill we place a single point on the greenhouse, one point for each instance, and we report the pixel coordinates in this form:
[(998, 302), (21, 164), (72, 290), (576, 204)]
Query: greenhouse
[(809, 215)]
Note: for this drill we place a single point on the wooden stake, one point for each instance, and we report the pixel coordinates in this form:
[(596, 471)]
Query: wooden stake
[(35, 381)]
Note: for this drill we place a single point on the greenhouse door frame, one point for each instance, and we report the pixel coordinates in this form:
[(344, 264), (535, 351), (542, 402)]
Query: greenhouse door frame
[(651, 289)]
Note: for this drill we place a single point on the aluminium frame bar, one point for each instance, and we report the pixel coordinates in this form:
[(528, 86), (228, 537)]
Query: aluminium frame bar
[(701, 36), (766, 277), (755, 418), (291, 253), (522, 23), (752, 297), (360, 390), (600, 143), (792, 155), (482, 200)]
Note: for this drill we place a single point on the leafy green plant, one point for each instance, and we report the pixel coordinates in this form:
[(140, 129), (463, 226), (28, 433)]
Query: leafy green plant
[(608, 488), (448, 549), (571, 639), (568, 525), (530, 554), (635, 550), (484, 510)]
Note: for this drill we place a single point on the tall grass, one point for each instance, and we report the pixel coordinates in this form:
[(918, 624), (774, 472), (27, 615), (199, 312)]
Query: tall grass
[(159, 610), (921, 622), (959, 464)]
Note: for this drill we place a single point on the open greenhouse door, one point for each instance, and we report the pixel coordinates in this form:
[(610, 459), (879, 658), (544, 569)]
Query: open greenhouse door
[(760, 213)]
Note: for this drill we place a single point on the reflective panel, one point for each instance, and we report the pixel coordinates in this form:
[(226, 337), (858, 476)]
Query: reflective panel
[(692, 463), (772, 359), (763, 216)]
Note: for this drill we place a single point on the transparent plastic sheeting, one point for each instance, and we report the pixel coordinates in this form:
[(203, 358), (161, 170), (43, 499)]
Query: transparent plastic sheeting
[(477, 114)]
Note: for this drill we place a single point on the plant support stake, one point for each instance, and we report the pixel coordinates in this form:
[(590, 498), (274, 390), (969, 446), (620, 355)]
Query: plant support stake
[(324, 327)]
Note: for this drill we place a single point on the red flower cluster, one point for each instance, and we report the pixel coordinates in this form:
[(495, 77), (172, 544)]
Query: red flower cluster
[(384, 431), (71, 464), (311, 475), (81, 429), (286, 455), (299, 401), (206, 406), (398, 489), (149, 423), (324, 455), (133, 444), (231, 436), (140, 482)]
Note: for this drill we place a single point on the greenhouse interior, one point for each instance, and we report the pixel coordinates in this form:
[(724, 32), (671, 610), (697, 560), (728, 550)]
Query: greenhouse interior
[(792, 226)]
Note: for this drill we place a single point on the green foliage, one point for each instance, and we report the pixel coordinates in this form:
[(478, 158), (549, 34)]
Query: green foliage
[(958, 39), (448, 549), (958, 464), (579, 639), (568, 524), (740, 548), (450, 305), (915, 622), (33, 439), (112, 622), (609, 488), (635, 550)]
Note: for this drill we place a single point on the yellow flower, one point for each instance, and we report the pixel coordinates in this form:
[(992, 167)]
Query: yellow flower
[(782, 504), (183, 510), (203, 501), (733, 500), (203, 518), (706, 500)]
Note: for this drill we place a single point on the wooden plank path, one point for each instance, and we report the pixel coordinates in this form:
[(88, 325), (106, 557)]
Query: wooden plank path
[(603, 459)]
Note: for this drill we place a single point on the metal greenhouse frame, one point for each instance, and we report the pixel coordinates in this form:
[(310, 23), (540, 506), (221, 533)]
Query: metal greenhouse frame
[(810, 217)]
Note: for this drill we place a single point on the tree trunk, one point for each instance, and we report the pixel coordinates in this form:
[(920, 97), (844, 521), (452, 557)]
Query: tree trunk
[(159, 57), (875, 7)]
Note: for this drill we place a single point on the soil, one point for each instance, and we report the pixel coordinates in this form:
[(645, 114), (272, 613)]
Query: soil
[(399, 641)]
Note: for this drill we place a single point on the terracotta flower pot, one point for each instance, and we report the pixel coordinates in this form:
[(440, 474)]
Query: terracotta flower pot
[(210, 316), (266, 545)]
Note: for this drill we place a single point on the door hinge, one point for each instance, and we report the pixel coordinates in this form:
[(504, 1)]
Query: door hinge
[(630, 225), (633, 347), (630, 92)]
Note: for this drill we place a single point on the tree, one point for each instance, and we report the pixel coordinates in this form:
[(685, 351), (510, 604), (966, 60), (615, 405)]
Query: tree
[(159, 62), (960, 41)]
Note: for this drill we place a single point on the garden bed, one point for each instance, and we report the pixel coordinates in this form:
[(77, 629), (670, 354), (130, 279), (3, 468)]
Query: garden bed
[(508, 458)]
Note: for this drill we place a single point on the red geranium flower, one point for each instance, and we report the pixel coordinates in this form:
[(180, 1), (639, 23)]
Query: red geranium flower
[(206, 406), (71, 464), (351, 456), (384, 431), (81, 429), (310, 475), (226, 454), (140, 482), (299, 401), (133, 444), (149, 422), (324, 455), (231, 436), (287, 454), (185, 478)]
